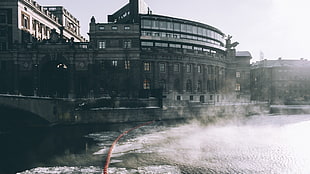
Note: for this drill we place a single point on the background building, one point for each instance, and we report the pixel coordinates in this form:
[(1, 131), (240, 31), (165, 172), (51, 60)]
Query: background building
[(24, 21), (281, 81)]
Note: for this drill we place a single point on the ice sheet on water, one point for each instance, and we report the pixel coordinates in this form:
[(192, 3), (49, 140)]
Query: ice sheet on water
[(134, 142), (164, 169), (108, 136), (64, 170)]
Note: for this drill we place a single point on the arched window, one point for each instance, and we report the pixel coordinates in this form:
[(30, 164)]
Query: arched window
[(199, 86), (189, 86)]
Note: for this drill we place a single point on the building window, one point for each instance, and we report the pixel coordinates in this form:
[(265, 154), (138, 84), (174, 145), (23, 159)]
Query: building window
[(101, 27), (146, 84), (187, 47), (156, 34), (25, 21), (189, 86), (114, 27), (176, 67), (83, 46), (199, 68), (162, 67), (2, 18), (146, 23), (178, 98), (127, 44), (159, 44), (126, 27), (147, 66), (147, 44), (188, 68), (127, 64), (202, 99), (163, 25), (238, 74), (155, 24), (101, 45), (238, 87), (175, 45), (114, 63), (176, 26), (199, 86), (191, 98)]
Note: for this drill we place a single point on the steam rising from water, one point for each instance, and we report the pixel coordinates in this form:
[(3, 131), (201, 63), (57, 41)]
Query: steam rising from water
[(264, 144)]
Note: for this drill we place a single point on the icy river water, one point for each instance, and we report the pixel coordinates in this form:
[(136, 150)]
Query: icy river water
[(252, 145)]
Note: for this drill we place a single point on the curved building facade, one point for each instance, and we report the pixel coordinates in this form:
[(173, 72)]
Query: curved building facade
[(188, 57), (182, 59), (170, 32)]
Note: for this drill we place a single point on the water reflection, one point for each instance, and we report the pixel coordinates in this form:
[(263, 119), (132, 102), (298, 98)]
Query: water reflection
[(262, 144)]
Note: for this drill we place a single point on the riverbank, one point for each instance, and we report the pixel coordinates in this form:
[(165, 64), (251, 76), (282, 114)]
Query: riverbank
[(290, 109), (188, 111)]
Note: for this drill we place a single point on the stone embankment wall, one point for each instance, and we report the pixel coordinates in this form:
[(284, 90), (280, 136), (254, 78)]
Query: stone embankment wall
[(290, 109), (203, 112), (65, 111)]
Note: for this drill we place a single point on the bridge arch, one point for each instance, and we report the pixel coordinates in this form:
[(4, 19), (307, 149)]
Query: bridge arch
[(16, 118), (54, 78)]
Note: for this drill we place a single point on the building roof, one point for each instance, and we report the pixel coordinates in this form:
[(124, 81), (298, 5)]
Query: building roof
[(243, 54), (281, 63)]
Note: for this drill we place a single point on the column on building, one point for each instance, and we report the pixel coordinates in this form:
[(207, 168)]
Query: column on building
[(182, 76), (35, 72), (71, 78), (194, 80), (222, 80), (217, 79), (204, 70), (170, 82), (155, 75), (15, 74), (213, 79)]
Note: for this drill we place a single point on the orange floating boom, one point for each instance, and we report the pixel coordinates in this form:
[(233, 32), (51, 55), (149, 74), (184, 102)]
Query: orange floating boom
[(106, 166)]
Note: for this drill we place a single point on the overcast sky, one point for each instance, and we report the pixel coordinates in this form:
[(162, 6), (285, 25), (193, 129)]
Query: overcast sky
[(276, 28)]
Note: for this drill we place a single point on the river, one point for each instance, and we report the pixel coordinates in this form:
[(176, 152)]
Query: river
[(252, 145)]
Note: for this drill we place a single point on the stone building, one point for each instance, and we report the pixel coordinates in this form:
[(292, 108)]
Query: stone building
[(24, 21), (135, 54), (243, 75), (281, 81)]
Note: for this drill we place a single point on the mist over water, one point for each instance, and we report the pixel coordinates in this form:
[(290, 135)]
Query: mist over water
[(258, 145)]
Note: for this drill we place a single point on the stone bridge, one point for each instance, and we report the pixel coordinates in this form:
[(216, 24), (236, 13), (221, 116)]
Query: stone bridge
[(83, 111), (50, 109)]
